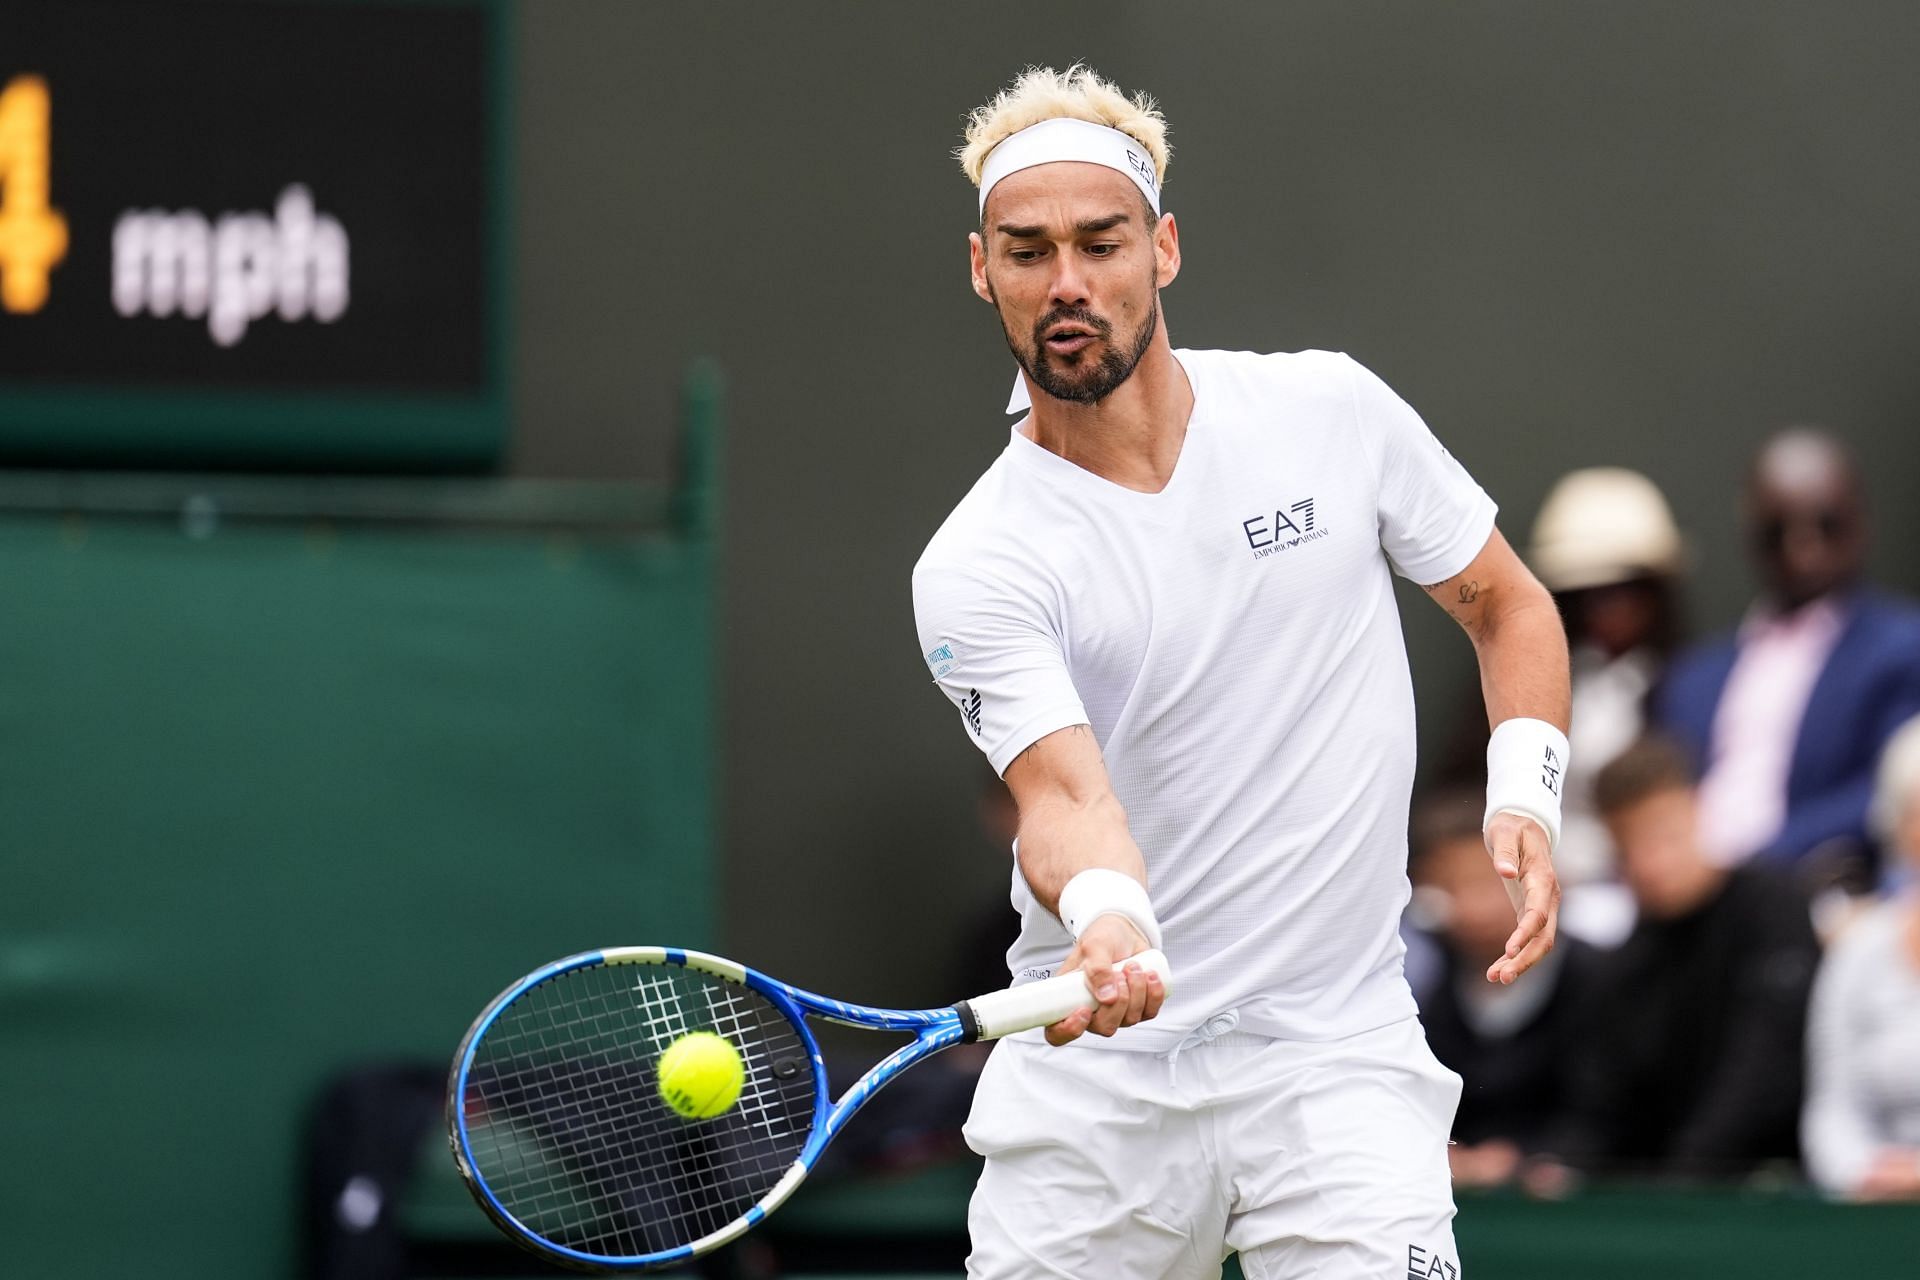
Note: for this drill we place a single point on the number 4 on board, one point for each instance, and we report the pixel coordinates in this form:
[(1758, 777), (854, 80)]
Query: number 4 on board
[(33, 237)]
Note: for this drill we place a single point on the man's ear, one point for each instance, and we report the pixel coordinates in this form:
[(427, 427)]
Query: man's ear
[(1166, 251), (977, 253)]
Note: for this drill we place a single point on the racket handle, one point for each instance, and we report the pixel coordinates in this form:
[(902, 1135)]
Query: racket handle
[(1039, 1004)]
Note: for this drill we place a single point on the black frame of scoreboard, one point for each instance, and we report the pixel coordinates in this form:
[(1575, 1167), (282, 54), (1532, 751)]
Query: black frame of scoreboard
[(313, 428)]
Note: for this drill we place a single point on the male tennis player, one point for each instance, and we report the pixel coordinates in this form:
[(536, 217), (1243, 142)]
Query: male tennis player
[(1165, 615)]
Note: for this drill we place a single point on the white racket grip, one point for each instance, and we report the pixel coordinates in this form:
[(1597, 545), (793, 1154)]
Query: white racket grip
[(1040, 1004)]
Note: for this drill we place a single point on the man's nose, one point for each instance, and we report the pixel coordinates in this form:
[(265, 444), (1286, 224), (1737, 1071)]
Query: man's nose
[(1069, 286)]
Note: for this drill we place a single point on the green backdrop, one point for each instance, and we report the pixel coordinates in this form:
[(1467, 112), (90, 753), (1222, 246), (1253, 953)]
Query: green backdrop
[(283, 794)]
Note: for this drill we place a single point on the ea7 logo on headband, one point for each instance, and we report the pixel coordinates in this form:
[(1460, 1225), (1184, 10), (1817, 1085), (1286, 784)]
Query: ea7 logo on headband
[(1144, 167)]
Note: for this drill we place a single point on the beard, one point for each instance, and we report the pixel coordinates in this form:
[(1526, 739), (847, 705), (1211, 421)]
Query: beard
[(1075, 378)]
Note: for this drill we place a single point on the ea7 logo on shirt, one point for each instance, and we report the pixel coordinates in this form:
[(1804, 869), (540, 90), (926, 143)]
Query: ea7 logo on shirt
[(1285, 530), (970, 708)]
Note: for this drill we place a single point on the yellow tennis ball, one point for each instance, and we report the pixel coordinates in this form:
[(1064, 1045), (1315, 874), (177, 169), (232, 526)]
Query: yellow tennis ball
[(701, 1075)]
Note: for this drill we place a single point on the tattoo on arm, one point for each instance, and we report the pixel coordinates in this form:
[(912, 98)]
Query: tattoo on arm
[(1461, 597), (1072, 728)]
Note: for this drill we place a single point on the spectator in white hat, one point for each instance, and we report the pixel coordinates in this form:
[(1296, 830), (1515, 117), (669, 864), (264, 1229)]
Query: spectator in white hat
[(1606, 545)]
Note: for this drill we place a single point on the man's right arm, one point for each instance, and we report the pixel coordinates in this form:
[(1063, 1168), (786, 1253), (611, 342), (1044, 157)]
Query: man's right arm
[(1072, 823)]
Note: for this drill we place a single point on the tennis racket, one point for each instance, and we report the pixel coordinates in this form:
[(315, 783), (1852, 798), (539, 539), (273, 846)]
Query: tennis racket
[(557, 1122)]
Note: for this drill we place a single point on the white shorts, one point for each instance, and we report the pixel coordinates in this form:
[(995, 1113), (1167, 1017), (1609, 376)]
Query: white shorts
[(1322, 1160)]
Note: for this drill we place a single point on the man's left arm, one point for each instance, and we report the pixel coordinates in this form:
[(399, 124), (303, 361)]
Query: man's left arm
[(1522, 648)]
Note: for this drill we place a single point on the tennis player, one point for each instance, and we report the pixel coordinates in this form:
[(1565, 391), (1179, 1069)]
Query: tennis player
[(1165, 615)]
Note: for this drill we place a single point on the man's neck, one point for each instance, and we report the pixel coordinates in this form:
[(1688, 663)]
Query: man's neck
[(1133, 436), (1776, 606)]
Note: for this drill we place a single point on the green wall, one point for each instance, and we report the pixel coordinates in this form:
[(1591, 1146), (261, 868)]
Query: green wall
[(1638, 233), (283, 796)]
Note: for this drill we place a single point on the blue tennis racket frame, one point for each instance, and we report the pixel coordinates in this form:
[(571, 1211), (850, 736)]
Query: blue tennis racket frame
[(932, 1029)]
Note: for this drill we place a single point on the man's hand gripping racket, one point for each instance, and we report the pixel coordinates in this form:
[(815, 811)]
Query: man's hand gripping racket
[(1124, 990), (586, 1142)]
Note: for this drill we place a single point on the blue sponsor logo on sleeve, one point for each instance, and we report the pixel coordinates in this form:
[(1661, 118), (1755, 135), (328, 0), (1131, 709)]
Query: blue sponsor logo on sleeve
[(941, 660)]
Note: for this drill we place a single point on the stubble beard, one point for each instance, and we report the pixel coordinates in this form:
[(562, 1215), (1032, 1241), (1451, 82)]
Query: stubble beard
[(1094, 382)]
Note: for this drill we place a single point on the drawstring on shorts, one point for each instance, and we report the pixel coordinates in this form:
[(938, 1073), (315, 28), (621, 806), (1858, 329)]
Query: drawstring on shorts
[(1212, 1029)]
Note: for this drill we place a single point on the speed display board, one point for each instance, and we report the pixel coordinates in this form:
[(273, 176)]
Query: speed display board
[(250, 234)]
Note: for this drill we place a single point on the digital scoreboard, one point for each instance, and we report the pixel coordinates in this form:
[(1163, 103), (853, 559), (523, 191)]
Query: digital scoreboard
[(252, 235)]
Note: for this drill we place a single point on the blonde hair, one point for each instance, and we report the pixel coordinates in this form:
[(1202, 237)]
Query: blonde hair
[(1078, 93)]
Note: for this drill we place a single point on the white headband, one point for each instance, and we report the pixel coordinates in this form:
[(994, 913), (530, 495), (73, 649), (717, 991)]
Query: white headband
[(1065, 139)]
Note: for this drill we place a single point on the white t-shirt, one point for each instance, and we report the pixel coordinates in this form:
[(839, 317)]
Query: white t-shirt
[(1234, 644)]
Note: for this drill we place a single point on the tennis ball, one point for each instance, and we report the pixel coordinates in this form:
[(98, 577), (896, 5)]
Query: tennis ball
[(701, 1074)]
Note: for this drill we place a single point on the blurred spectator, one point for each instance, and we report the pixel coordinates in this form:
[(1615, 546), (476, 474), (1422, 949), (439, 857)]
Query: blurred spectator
[(1861, 1129), (915, 1121), (1788, 716), (1606, 545), (1691, 1063), (1510, 1044)]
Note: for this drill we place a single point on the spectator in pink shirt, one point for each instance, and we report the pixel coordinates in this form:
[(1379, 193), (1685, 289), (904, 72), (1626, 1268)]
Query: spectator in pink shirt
[(1786, 717)]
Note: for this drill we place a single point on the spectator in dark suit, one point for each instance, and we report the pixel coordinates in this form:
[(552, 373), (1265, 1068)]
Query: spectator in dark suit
[(1786, 717), (1691, 1057), (1510, 1044)]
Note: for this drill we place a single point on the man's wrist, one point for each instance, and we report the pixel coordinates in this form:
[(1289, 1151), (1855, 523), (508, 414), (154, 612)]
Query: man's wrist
[(1526, 762), (1102, 891)]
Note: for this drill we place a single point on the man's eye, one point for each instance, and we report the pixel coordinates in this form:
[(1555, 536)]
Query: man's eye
[(1023, 255), (1102, 250)]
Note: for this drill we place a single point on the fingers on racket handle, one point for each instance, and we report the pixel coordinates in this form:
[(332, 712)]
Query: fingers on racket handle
[(1039, 1004)]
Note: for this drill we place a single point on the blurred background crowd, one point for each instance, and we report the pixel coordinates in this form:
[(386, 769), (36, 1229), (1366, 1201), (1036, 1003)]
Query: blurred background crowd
[(1736, 992)]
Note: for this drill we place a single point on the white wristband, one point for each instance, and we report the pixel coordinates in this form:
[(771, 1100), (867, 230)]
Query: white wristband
[(1526, 760), (1100, 891)]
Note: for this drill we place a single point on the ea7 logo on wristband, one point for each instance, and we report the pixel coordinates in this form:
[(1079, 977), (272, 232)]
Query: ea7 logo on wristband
[(970, 708), (1550, 771)]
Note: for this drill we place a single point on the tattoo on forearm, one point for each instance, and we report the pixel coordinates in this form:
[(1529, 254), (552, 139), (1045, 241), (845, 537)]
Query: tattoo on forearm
[(1469, 592)]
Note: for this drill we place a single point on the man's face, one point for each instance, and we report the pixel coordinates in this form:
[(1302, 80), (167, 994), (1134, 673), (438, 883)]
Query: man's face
[(1805, 520), (1618, 617), (1660, 858), (1071, 258)]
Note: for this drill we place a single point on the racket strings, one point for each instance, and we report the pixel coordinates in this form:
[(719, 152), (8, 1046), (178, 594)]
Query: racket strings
[(599, 1153), (569, 1133)]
